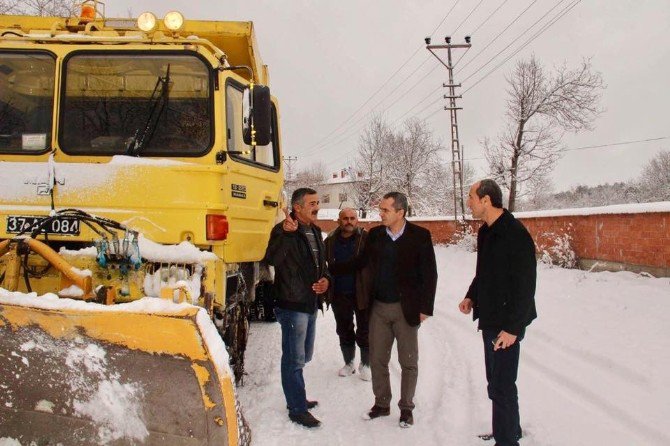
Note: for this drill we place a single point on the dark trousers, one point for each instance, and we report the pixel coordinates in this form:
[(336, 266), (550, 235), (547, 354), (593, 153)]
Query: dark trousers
[(345, 308), (501, 371)]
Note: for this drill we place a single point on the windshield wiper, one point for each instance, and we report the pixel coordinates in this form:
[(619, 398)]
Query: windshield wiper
[(157, 103)]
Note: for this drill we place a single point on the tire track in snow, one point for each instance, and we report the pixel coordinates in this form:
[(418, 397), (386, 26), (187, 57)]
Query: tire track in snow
[(447, 343), (582, 394), (603, 363)]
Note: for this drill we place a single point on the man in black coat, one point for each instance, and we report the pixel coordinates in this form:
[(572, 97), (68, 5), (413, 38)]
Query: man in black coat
[(297, 252), (400, 282), (502, 295)]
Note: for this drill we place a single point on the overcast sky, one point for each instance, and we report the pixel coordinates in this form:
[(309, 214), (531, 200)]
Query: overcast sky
[(327, 58)]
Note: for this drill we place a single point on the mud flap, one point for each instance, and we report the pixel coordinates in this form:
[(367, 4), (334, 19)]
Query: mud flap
[(148, 372)]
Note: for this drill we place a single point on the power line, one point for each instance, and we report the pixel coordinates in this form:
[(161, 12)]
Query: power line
[(467, 17), (385, 83), (499, 34), (623, 143), (524, 45), (493, 40), (487, 18), (599, 146), (315, 149)]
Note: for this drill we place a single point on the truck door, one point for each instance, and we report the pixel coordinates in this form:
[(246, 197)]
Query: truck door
[(252, 185)]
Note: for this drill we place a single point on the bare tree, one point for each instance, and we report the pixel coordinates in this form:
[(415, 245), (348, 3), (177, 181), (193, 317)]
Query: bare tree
[(308, 176), (374, 146), (539, 109), (415, 158), (8, 6), (56, 8), (655, 178)]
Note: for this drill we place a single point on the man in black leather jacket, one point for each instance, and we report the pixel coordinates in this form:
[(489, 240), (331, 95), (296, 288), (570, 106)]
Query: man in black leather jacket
[(297, 252)]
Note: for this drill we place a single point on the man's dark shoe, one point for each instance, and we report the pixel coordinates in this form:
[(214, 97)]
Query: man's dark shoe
[(406, 418), (305, 419), (310, 404), (487, 437), (376, 412)]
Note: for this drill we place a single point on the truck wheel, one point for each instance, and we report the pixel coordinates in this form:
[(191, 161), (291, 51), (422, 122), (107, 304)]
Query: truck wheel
[(235, 331)]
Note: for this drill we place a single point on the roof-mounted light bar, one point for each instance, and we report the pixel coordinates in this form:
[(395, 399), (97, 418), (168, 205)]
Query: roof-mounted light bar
[(173, 21)]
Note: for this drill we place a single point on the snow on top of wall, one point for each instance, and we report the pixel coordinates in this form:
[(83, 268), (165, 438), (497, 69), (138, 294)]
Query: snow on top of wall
[(634, 208)]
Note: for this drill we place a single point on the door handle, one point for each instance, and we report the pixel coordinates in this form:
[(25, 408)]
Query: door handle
[(270, 203)]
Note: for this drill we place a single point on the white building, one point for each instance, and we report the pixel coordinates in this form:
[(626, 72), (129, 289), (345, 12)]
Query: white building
[(338, 191)]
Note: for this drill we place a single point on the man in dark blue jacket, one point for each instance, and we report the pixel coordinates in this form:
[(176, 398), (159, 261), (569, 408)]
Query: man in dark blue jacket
[(502, 295), (297, 252), (344, 247)]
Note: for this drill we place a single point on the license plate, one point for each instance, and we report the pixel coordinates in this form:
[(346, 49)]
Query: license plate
[(63, 225)]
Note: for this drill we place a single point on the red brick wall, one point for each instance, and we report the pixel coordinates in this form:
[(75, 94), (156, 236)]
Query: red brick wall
[(634, 239)]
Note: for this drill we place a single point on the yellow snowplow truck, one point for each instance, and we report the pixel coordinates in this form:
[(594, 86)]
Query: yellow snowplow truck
[(140, 177)]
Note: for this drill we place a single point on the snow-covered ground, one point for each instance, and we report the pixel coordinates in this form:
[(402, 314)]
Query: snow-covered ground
[(593, 371)]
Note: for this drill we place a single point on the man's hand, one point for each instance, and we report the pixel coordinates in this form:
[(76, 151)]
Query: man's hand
[(465, 306), (321, 286), (504, 340), (423, 317), (289, 224)]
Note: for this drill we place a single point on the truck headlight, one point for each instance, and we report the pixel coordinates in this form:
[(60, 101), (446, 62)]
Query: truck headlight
[(173, 20), (146, 22)]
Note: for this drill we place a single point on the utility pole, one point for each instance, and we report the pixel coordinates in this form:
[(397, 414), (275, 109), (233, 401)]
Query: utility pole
[(288, 177), (289, 160), (456, 156)]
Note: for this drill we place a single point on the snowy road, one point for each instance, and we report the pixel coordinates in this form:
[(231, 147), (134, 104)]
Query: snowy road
[(593, 370)]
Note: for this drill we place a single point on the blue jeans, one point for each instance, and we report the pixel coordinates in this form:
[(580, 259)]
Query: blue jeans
[(297, 345), (501, 371)]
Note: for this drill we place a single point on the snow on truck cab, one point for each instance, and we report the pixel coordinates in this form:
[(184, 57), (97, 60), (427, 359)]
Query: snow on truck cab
[(140, 177)]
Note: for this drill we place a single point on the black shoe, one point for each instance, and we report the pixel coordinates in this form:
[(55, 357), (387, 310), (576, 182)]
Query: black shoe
[(310, 404), (376, 412), (305, 419), (406, 418), (487, 437)]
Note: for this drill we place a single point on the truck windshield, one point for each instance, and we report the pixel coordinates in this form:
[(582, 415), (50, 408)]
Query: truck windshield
[(107, 98), (26, 101)]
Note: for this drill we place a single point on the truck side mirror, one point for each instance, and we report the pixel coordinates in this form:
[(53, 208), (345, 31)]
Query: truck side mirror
[(257, 111)]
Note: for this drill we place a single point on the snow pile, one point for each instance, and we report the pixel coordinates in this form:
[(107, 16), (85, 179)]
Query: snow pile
[(116, 408), (174, 277), (185, 252), (556, 248), (466, 238), (71, 291)]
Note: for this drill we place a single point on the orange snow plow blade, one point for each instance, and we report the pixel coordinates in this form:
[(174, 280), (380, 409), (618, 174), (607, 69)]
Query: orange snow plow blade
[(79, 374)]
